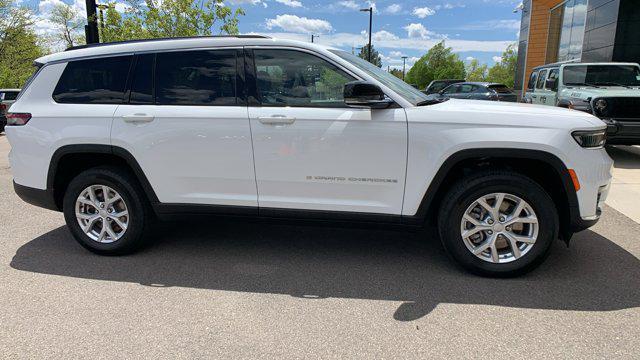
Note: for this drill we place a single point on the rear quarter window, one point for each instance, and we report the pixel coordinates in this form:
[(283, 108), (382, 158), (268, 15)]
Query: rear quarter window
[(502, 89), (93, 81), (10, 95)]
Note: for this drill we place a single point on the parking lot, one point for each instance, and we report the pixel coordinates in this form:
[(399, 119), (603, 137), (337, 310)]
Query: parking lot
[(251, 289)]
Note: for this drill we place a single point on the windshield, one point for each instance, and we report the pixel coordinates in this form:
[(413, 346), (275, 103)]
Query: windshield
[(612, 75), (400, 87)]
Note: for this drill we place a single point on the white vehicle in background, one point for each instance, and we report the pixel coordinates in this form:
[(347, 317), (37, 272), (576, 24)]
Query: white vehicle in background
[(117, 135), (610, 91)]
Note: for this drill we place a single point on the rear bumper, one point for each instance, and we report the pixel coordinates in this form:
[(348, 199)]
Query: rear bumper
[(37, 197)]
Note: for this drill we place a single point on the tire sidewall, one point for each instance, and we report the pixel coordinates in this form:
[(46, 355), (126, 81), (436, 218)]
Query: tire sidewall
[(530, 192), (128, 193)]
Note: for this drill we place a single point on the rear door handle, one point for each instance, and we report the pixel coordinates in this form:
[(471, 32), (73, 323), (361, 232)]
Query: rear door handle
[(276, 120), (138, 118)]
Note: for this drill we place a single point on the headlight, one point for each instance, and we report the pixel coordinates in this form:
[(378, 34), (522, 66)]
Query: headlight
[(601, 106), (590, 139)]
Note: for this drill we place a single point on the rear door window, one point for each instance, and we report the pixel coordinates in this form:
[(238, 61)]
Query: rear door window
[(93, 81), (204, 77), (142, 80), (541, 78), (452, 89), (466, 88), (553, 74), (477, 89)]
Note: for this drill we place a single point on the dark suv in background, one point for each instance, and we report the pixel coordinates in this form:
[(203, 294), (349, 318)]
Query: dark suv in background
[(476, 91), (438, 85), (7, 97)]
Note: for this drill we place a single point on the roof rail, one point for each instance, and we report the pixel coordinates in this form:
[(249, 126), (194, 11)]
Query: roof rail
[(251, 36), (558, 63)]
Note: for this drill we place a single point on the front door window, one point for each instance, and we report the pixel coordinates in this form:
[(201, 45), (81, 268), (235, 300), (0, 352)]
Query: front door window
[(295, 78)]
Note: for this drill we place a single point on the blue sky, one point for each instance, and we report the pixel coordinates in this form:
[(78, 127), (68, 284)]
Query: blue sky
[(479, 29)]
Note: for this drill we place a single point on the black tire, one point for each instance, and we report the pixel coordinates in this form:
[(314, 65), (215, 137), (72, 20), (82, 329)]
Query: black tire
[(466, 191), (140, 214)]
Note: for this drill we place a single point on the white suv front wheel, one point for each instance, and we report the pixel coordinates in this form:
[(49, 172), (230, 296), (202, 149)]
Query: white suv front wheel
[(498, 223), (106, 212)]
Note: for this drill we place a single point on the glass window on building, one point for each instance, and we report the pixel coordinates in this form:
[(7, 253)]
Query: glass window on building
[(566, 31)]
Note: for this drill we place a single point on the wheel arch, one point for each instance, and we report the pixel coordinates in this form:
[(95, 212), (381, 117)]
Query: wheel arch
[(69, 160), (543, 167)]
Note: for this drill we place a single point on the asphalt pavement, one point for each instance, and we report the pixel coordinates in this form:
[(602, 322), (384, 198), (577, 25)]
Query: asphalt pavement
[(252, 289)]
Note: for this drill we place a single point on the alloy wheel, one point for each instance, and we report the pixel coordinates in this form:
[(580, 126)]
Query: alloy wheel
[(499, 228), (102, 213)]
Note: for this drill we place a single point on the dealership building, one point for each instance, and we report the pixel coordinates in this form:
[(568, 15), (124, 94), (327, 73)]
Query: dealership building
[(587, 30)]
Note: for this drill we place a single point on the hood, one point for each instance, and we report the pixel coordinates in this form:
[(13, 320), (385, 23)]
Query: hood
[(507, 114), (586, 93)]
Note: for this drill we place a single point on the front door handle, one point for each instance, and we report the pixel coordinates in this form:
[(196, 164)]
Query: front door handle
[(276, 120), (138, 118)]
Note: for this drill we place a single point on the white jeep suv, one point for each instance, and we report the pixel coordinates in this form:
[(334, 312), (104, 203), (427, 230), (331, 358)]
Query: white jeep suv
[(117, 135)]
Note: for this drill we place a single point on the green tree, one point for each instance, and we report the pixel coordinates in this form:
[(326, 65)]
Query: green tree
[(19, 45), (69, 25), (170, 18), (396, 72), (504, 72), (438, 63), (477, 71), (375, 56)]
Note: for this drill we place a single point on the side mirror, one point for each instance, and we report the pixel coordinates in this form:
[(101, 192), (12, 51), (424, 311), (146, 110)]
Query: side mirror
[(363, 94), (552, 84)]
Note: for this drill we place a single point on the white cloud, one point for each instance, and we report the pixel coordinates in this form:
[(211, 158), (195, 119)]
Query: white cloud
[(43, 26), (393, 9), (294, 23), (372, 5), (383, 35), (347, 40), (423, 12), (507, 24), (493, 25), (449, 6), (396, 54), (45, 7), (418, 31), (251, 2), (291, 3), (350, 4)]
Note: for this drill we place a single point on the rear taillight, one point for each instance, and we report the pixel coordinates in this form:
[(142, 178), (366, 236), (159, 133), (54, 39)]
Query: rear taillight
[(18, 119)]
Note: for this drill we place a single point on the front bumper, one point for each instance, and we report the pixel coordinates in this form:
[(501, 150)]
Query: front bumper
[(623, 132)]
